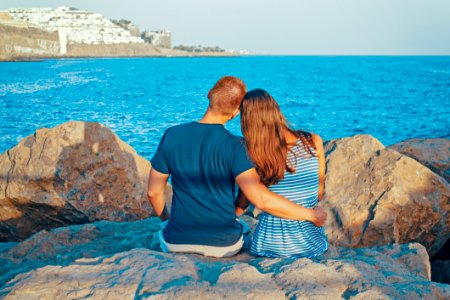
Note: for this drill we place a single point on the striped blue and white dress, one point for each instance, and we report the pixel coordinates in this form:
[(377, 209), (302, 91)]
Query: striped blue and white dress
[(277, 237)]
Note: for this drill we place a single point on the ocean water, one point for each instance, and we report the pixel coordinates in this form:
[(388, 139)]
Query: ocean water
[(391, 98)]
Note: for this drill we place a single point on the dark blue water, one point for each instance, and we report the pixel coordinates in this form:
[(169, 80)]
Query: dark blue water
[(391, 98)]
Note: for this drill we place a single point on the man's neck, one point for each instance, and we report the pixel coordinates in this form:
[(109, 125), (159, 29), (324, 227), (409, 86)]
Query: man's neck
[(212, 118)]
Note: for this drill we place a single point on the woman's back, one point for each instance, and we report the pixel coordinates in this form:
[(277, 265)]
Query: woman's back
[(275, 237)]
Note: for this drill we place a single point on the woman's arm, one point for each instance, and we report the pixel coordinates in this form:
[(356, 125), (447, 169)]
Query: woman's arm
[(242, 203), (321, 155)]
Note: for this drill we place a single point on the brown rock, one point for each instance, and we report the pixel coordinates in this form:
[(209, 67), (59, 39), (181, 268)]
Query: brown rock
[(74, 173), (385, 272), (377, 196), (119, 260), (433, 153)]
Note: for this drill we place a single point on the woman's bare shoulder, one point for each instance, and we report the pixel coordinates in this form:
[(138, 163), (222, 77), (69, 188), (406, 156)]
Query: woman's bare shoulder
[(318, 143), (316, 138)]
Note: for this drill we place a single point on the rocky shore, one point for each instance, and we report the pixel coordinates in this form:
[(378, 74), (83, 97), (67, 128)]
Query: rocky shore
[(75, 223)]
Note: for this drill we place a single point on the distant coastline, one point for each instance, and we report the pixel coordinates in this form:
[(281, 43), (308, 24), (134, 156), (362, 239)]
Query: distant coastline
[(44, 33)]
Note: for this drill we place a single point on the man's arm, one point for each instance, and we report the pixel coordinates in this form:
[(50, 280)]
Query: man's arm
[(155, 193), (274, 204), (241, 203), (321, 155)]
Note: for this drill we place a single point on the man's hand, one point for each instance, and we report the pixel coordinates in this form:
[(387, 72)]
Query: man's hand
[(320, 216)]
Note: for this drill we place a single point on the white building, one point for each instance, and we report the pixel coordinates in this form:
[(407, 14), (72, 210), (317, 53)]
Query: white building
[(160, 38), (75, 26)]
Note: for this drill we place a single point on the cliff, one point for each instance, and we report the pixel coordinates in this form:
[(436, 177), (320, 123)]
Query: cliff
[(20, 41), (27, 42)]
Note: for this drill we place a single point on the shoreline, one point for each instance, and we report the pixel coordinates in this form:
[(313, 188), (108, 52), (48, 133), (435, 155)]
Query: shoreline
[(202, 55), (41, 59), (175, 54)]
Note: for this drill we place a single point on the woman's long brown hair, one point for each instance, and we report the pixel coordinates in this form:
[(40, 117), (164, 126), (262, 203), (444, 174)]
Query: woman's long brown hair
[(264, 128)]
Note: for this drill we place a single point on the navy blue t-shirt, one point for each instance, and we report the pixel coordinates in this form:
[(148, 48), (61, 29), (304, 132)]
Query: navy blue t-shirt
[(203, 161)]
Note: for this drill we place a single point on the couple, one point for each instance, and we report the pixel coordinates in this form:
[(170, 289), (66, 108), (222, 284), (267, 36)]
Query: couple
[(277, 169)]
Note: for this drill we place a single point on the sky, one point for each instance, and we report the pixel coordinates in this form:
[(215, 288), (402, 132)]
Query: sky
[(318, 27)]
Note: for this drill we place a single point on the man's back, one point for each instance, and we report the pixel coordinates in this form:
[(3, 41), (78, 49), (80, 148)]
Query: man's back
[(203, 160)]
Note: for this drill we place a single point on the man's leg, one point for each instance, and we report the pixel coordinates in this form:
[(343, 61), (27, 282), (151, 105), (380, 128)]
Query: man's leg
[(198, 249)]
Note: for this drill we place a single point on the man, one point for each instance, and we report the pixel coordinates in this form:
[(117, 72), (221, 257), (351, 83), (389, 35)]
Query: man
[(205, 161)]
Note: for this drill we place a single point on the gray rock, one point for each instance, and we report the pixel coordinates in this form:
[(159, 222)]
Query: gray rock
[(77, 172), (433, 153), (120, 260), (377, 196), (6, 246)]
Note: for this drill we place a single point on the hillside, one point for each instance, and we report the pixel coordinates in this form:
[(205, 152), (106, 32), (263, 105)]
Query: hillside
[(98, 37)]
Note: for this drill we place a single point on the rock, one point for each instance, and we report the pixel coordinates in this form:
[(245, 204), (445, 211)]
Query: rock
[(433, 153), (386, 272), (143, 273), (74, 173), (377, 196), (120, 260), (65, 244), (6, 246), (440, 271)]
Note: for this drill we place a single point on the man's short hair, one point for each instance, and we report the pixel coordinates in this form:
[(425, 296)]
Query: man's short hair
[(226, 95)]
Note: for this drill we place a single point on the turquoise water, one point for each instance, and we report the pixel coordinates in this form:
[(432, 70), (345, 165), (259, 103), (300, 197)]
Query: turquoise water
[(392, 98)]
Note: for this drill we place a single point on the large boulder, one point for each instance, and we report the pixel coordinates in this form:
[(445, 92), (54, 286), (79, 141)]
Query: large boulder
[(121, 260), (433, 153), (74, 173), (377, 196)]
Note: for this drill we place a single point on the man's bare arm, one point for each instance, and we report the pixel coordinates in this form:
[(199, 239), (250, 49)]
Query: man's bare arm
[(241, 203), (157, 183), (258, 194)]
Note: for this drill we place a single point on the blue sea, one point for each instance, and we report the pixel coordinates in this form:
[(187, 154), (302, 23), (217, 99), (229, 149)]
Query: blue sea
[(391, 98)]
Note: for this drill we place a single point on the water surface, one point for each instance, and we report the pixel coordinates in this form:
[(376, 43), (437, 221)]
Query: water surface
[(391, 98)]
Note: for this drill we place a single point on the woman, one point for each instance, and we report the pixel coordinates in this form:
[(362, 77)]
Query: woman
[(292, 164)]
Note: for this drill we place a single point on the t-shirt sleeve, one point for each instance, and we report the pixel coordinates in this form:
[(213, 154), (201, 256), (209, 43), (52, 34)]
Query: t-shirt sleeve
[(240, 161), (159, 162)]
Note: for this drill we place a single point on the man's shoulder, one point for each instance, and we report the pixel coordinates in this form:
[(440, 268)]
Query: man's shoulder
[(178, 128), (235, 145), (237, 140)]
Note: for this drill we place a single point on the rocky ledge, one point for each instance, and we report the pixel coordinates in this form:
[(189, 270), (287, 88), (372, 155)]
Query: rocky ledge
[(388, 214), (121, 260)]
